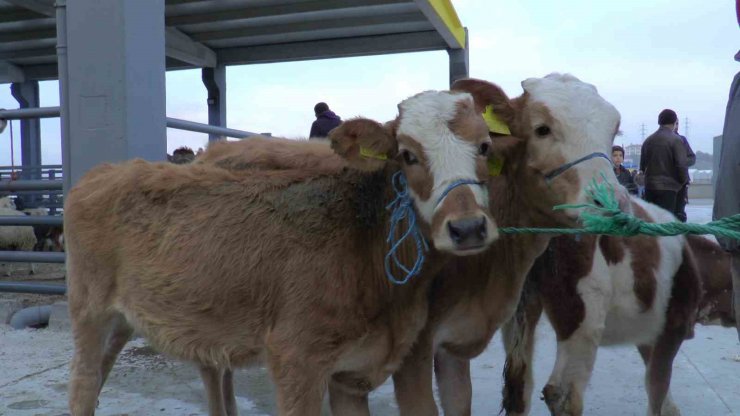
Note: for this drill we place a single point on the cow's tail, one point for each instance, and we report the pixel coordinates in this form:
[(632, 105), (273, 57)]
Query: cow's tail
[(518, 337)]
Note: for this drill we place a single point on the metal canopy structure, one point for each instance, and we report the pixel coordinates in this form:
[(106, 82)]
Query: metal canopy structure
[(209, 33), (110, 58)]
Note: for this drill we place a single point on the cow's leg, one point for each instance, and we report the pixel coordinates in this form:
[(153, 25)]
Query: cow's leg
[(413, 381), (658, 374), (576, 354), (347, 403), (300, 376), (669, 406), (90, 333), (453, 381), (228, 393), (213, 382), (119, 336), (518, 337)]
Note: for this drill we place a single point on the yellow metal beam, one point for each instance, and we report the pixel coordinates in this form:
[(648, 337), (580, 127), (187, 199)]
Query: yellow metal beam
[(443, 16)]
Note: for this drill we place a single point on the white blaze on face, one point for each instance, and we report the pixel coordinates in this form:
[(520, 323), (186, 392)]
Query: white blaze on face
[(425, 118), (584, 123)]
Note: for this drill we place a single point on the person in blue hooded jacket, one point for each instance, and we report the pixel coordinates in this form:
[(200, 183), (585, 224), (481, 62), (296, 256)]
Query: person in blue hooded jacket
[(325, 121)]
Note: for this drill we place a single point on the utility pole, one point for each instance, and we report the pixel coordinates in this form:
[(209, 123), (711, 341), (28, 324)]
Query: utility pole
[(642, 131)]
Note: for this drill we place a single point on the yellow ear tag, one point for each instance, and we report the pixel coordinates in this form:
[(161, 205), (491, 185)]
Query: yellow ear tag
[(370, 154), (495, 165), (495, 124)]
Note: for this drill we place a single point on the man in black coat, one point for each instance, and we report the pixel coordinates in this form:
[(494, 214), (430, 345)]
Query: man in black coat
[(683, 195), (326, 120), (664, 162)]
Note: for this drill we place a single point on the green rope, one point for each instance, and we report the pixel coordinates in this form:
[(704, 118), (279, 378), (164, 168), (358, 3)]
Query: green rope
[(607, 218)]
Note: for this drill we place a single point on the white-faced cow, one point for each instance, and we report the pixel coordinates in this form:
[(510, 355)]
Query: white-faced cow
[(222, 267), (643, 291), (561, 131)]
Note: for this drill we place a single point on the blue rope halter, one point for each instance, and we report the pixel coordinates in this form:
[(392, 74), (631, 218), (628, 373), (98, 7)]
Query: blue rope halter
[(558, 171), (402, 208), (454, 185)]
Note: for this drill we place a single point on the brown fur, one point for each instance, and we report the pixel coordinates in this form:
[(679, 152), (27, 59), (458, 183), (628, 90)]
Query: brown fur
[(715, 271), (220, 262)]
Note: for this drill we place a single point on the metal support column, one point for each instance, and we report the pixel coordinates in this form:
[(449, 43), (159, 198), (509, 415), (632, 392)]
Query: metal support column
[(459, 61), (27, 95), (215, 82), (114, 79)]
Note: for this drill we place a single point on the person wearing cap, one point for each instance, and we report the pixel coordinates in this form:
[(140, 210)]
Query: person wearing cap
[(664, 163), (325, 121)]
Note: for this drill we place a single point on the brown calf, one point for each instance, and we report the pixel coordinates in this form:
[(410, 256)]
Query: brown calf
[(222, 267)]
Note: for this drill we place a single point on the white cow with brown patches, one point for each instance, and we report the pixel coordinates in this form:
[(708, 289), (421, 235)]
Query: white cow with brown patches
[(561, 133), (642, 291), (221, 263)]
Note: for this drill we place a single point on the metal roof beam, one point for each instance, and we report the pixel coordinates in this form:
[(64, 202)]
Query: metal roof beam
[(309, 26), (10, 73), (44, 7), (11, 55), (323, 6), (442, 15), (333, 48), (181, 47)]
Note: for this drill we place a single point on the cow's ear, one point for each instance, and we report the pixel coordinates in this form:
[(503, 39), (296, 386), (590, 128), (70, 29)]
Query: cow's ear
[(365, 144), (490, 100)]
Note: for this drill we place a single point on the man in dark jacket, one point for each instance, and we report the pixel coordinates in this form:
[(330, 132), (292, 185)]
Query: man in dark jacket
[(664, 162), (683, 194), (326, 120), (624, 176)]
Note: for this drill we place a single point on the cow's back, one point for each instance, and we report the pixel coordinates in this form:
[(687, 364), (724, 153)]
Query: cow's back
[(201, 259)]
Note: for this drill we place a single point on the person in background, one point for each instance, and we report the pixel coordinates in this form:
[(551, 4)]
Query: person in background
[(727, 191), (664, 163), (624, 176), (325, 121), (683, 195)]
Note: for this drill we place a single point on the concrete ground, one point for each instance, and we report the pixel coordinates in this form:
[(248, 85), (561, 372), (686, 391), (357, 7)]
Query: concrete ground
[(34, 368)]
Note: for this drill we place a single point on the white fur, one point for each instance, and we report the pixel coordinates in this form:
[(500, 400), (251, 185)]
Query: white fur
[(613, 314), (20, 237), (586, 123), (7, 202), (425, 119)]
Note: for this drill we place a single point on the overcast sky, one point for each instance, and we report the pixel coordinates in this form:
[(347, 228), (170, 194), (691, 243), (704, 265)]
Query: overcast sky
[(643, 56)]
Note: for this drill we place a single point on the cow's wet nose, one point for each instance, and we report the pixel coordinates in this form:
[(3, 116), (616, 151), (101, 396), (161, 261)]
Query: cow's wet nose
[(468, 233)]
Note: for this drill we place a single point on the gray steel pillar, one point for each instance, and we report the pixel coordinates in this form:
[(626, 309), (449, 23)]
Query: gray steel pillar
[(114, 82), (215, 82), (459, 61), (27, 95)]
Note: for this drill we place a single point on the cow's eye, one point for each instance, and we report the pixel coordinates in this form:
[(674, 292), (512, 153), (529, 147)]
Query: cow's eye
[(409, 158), (542, 131), (484, 148)]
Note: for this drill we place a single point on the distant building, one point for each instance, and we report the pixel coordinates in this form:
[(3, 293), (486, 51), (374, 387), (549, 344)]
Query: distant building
[(632, 154)]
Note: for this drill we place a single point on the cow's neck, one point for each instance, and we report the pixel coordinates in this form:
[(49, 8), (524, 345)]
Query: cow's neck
[(373, 192), (511, 256)]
